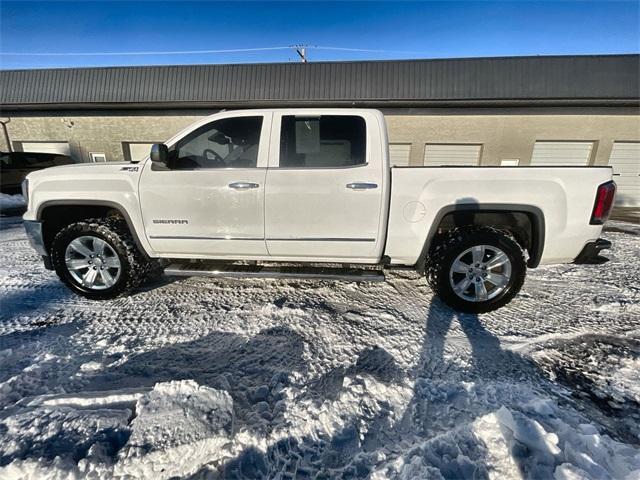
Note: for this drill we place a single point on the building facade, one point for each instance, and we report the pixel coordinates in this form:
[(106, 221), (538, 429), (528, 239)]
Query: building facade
[(518, 111)]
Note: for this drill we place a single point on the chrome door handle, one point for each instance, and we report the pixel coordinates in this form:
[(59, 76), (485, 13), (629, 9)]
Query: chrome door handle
[(361, 186), (243, 185)]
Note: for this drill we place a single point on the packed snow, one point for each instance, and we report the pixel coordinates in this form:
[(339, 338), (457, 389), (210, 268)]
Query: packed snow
[(200, 378)]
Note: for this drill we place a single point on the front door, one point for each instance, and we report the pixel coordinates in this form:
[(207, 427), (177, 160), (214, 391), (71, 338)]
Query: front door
[(209, 201), (324, 193)]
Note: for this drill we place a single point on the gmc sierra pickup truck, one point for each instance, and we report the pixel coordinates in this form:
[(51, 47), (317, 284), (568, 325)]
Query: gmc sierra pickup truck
[(310, 193)]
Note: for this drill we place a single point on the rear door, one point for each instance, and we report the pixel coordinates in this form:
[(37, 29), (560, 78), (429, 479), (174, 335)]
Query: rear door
[(324, 194)]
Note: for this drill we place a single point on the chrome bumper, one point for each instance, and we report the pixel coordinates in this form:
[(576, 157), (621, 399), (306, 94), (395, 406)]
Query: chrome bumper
[(34, 234)]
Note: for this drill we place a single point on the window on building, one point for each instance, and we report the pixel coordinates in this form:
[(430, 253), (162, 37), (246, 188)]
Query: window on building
[(226, 143), (399, 154), (625, 160), (61, 148), (328, 141), (561, 153), (439, 154), (136, 151), (97, 157), (509, 162)]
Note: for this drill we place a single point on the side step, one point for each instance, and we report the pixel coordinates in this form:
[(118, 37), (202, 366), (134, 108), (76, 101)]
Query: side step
[(257, 271)]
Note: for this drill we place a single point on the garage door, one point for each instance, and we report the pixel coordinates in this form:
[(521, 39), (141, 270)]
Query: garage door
[(447, 154), (61, 148), (561, 153), (399, 154), (139, 151), (625, 160)]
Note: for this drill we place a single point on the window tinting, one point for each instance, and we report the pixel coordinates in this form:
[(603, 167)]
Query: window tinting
[(322, 142), (226, 143)]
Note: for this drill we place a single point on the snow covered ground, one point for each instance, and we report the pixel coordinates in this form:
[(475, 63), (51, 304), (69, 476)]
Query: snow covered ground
[(198, 378)]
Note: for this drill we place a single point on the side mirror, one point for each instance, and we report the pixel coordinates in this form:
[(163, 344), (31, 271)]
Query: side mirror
[(159, 153)]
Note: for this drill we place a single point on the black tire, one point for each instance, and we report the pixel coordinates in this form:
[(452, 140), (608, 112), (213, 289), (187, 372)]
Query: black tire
[(452, 244), (135, 266)]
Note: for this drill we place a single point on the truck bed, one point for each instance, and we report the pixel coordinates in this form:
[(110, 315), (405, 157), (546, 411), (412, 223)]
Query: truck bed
[(564, 196)]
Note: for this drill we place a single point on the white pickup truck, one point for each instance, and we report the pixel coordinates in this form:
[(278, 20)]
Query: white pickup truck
[(310, 193)]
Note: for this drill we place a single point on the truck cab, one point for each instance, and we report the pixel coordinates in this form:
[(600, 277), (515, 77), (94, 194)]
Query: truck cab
[(271, 185)]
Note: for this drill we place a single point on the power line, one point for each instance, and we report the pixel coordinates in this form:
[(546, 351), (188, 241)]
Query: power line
[(368, 50), (300, 50), (175, 52)]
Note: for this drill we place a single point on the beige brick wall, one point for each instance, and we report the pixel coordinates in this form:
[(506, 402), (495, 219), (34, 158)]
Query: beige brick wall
[(502, 136)]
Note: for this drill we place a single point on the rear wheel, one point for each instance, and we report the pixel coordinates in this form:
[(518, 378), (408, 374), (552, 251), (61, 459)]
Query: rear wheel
[(98, 258), (476, 269)]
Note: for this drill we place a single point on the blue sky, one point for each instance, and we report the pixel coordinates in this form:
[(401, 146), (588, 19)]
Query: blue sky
[(396, 29)]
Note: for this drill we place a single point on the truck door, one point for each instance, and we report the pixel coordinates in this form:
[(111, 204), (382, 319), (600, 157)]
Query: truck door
[(209, 201), (324, 194)]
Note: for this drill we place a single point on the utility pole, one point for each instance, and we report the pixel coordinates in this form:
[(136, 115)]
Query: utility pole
[(301, 50)]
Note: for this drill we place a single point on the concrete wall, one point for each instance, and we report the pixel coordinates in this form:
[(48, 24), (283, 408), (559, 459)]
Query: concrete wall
[(504, 133), (102, 133), (512, 136)]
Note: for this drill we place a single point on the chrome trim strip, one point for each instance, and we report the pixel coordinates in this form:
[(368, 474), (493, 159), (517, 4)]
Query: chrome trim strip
[(181, 237), (343, 167), (315, 239), (289, 239)]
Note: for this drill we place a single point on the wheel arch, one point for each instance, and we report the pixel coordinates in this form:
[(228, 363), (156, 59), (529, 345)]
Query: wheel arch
[(468, 214), (55, 214)]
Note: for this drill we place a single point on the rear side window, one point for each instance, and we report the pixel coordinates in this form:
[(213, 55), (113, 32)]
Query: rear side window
[(329, 141)]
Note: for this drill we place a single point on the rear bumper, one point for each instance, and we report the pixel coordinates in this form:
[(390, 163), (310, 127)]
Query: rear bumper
[(591, 252)]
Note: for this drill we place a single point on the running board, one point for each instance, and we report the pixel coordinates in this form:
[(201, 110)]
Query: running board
[(253, 271)]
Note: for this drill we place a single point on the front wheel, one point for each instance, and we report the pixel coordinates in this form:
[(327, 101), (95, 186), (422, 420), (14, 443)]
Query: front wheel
[(476, 269), (98, 258)]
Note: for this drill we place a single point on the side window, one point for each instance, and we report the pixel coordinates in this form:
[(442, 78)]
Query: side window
[(226, 143), (328, 141)]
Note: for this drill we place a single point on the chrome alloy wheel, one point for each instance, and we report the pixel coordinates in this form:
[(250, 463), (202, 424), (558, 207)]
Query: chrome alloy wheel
[(480, 273), (92, 262)]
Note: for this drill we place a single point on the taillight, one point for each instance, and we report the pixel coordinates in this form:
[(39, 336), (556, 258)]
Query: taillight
[(604, 202)]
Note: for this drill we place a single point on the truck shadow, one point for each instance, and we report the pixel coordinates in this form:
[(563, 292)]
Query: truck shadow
[(30, 301), (348, 452)]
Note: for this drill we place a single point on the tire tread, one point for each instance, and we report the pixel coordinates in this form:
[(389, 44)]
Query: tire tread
[(116, 231), (436, 265)]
